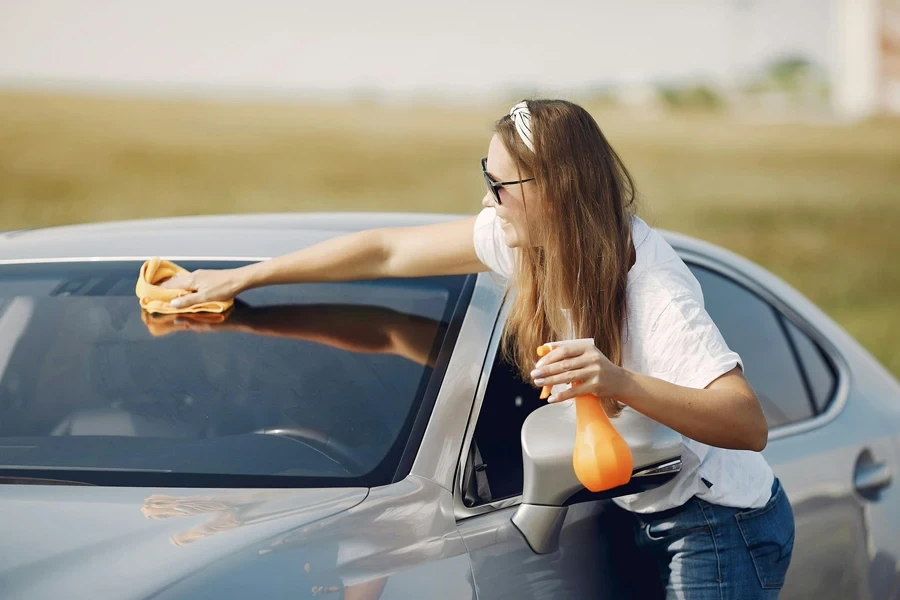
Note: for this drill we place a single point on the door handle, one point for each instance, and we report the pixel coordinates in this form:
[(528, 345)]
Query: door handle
[(871, 476)]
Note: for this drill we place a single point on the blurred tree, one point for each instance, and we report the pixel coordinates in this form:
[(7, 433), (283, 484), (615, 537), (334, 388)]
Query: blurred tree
[(790, 72), (794, 77), (695, 97)]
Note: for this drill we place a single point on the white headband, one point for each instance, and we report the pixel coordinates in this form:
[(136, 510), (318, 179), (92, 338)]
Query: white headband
[(521, 116)]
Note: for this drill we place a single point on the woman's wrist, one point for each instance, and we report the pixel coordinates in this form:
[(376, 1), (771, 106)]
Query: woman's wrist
[(624, 384), (249, 277)]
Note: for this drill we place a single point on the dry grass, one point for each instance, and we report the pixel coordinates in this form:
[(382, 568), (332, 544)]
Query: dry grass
[(818, 205)]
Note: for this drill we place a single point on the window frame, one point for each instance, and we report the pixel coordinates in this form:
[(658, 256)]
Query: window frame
[(787, 325), (461, 511), (792, 401), (785, 310)]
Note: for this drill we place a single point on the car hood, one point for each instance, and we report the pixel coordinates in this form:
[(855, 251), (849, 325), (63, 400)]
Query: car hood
[(62, 541)]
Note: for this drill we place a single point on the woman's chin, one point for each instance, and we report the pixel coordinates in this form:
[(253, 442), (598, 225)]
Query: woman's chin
[(510, 236)]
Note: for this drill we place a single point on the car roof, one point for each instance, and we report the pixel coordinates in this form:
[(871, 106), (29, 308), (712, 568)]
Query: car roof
[(225, 236), (217, 236), (256, 237)]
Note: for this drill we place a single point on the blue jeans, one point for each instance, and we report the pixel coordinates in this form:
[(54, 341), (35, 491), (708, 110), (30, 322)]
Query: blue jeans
[(704, 550)]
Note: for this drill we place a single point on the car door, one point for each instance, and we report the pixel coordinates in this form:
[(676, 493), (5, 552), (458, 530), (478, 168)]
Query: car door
[(489, 488), (828, 445)]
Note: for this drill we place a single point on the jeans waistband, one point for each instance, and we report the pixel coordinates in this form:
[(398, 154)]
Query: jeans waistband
[(669, 512)]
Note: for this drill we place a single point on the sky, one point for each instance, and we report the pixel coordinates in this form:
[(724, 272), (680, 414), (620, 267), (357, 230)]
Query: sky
[(464, 47)]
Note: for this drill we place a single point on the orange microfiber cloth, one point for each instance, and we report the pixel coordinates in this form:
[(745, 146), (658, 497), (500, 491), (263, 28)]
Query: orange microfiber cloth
[(156, 299)]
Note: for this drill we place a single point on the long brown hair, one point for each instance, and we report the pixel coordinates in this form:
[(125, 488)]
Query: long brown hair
[(584, 248)]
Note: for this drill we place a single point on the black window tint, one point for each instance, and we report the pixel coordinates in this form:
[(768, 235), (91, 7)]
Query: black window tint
[(315, 384), (753, 329), (819, 371)]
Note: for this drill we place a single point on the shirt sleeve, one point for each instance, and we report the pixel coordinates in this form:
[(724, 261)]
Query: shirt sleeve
[(490, 246), (686, 348)]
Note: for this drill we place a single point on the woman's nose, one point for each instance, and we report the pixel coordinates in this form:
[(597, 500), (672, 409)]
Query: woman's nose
[(488, 200)]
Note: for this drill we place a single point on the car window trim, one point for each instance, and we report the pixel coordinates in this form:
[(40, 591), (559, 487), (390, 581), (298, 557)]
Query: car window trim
[(798, 360), (414, 430), (141, 258), (841, 369), (461, 511)]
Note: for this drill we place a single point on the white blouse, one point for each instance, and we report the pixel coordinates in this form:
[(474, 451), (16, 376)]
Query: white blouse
[(670, 336)]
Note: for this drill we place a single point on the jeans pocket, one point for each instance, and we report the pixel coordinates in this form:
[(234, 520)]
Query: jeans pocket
[(668, 529), (684, 522), (768, 533)]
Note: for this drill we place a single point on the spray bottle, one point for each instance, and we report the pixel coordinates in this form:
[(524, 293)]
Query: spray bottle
[(602, 459)]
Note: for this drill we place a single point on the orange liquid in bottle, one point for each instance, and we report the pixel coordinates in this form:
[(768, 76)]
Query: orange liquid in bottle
[(602, 459)]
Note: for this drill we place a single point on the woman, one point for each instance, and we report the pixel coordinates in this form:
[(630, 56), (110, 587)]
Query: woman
[(558, 222)]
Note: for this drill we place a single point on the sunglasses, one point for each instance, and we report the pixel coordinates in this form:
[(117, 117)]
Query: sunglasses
[(493, 185)]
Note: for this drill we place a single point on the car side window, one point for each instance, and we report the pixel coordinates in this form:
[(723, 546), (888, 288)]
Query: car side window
[(769, 345), (494, 468), (818, 370)]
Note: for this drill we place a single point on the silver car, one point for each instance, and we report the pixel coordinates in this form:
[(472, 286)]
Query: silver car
[(367, 440)]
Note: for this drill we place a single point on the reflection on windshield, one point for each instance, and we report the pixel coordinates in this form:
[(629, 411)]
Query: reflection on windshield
[(366, 329), (308, 381), (160, 325), (14, 319)]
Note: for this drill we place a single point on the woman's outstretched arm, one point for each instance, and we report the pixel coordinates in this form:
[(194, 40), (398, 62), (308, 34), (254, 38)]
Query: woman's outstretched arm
[(439, 249)]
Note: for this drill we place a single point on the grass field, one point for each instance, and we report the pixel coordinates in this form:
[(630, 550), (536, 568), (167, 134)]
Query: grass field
[(818, 205)]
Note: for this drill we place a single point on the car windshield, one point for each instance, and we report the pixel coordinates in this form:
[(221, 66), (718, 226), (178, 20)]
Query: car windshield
[(296, 385)]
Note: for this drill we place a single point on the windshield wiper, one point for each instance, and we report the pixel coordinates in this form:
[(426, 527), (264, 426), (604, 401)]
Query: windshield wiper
[(56, 475), (9, 480)]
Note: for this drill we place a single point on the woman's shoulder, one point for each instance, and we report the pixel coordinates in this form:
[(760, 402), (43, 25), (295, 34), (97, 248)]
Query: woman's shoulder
[(657, 266), (669, 333), (658, 279)]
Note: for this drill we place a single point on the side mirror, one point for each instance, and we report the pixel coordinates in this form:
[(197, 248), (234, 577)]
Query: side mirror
[(550, 484)]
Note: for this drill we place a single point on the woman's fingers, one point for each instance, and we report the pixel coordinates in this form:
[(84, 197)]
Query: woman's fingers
[(206, 285), (581, 374), (556, 354), (565, 348), (188, 300), (577, 390), (561, 366), (179, 282)]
